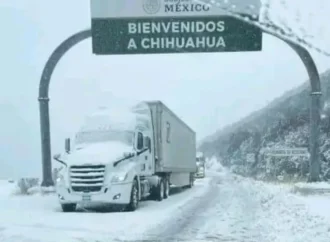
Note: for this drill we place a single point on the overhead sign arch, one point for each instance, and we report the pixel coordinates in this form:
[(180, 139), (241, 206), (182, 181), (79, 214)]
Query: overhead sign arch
[(121, 17)]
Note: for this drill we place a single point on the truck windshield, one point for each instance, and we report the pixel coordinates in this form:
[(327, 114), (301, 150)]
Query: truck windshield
[(200, 159), (96, 136)]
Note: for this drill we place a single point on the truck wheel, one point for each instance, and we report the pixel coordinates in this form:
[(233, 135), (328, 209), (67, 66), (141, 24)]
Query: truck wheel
[(134, 201), (191, 181), (160, 190), (167, 188), (69, 207)]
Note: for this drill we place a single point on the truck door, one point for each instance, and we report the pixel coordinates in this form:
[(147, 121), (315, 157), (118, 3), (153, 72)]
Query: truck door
[(144, 155)]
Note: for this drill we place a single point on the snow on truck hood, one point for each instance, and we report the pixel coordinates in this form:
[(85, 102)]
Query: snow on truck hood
[(98, 153)]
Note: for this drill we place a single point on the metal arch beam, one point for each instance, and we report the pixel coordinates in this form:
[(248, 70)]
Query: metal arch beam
[(315, 112), (43, 99), (66, 45), (315, 105)]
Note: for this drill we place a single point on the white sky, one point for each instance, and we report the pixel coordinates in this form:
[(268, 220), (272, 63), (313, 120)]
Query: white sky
[(207, 91)]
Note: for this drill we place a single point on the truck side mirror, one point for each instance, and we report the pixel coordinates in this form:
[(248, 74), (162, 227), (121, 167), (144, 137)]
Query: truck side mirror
[(57, 156), (67, 145), (139, 145)]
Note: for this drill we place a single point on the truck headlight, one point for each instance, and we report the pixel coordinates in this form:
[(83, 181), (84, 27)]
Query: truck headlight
[(119, 177), (60, 180)]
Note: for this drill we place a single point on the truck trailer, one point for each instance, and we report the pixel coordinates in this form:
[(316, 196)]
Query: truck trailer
[(121, 157)]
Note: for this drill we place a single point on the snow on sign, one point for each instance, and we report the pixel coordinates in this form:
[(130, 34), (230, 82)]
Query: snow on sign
[(173, 26), (287, 152)]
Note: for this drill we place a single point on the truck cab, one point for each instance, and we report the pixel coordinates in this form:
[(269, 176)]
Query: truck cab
[(120, 156), (200, 164), (108, 156)]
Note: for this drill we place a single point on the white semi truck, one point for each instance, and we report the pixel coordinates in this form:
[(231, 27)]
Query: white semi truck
[(122, 157), (200, 163)]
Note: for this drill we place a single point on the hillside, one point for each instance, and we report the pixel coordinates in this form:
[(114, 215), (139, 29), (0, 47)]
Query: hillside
[(283, 123)]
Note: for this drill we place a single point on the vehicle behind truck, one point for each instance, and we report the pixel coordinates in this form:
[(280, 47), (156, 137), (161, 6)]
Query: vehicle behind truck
[(120, 157), (200, 164)]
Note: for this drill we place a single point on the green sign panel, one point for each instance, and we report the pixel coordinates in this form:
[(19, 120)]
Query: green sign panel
[(170, 26)]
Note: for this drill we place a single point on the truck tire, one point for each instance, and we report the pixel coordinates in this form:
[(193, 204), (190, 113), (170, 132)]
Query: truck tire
[(166, 188), (157, 192), (71, 207), (160, 190), (191, 180), (134, 201)]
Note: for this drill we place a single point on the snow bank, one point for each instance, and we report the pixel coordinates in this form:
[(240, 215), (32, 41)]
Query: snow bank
[(280, 215), (293, 218), (14, 188), (8, 188), (214, 165)]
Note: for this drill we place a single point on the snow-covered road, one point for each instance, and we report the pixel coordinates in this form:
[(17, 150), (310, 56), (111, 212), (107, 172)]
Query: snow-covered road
[(221, 207), (244, 210), (39, 218)]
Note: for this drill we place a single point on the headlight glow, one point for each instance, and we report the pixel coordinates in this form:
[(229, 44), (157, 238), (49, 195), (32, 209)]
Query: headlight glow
[(119, 177), (60, 179)]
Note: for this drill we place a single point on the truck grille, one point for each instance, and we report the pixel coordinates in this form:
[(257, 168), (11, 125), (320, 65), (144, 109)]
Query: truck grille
[(87, 178)]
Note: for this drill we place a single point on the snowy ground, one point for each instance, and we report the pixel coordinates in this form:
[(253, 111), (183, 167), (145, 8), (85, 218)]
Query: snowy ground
[(39, 218), (221, 207)]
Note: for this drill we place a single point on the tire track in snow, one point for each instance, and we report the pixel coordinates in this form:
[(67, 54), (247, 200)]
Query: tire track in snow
[(237, 215), (231, 217), (228, 211), (186, 215)]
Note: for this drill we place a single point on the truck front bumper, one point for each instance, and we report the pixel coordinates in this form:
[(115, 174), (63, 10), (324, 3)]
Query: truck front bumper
[(114, 194)]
